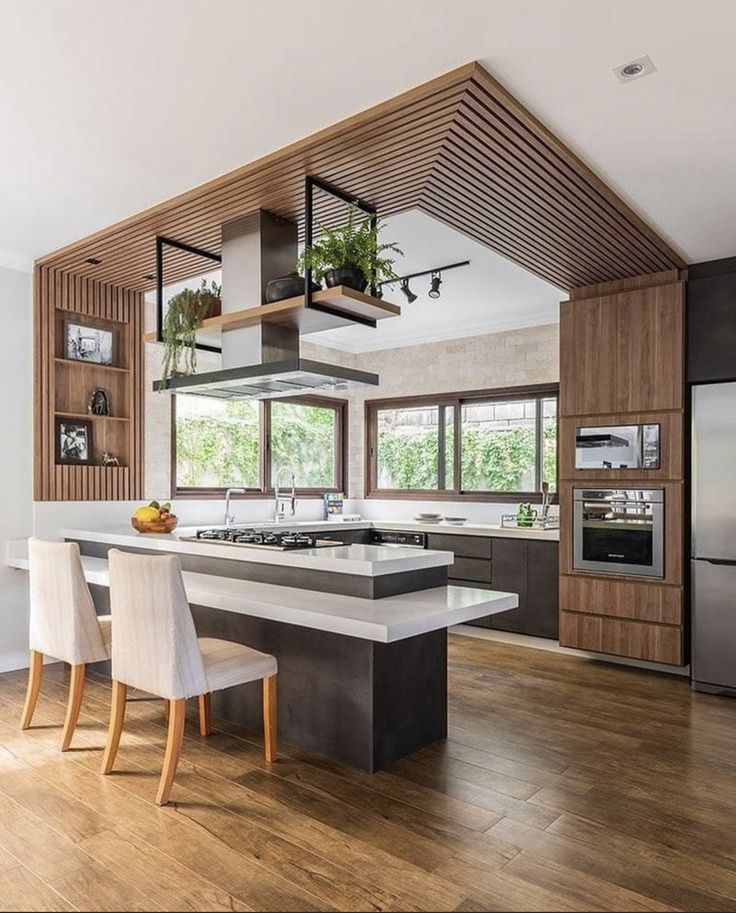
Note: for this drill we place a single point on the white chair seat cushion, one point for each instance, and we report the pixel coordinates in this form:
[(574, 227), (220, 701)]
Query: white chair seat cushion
[(105, 623), (227, 663)]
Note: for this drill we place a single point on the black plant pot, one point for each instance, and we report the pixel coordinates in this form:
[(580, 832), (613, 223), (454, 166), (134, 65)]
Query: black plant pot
[(287, 287), (352, 278)]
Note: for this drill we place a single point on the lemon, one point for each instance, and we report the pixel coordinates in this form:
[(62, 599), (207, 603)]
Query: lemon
[(146, 513)]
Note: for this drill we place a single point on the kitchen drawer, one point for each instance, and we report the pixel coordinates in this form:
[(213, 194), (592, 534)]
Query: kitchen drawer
[(621, 637), (650, 602), (478, 584), (462, 546), (471, 569)]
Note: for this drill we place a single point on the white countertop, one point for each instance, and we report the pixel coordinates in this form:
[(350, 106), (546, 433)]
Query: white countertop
[(362, 560), (384, 620)]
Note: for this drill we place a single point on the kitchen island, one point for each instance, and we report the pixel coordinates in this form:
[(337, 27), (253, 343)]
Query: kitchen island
[(362, 679)]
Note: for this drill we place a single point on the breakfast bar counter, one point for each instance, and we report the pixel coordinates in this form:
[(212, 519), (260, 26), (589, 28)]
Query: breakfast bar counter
[(362, 680)]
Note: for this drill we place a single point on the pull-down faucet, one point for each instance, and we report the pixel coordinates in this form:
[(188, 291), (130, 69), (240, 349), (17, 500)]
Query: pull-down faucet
[(281, 500), (229, 517)]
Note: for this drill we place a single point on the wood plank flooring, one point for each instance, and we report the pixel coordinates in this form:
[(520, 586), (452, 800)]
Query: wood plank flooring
[(564, 785)]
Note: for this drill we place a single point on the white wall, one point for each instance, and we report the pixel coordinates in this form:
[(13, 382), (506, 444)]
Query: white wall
[(16, 496)]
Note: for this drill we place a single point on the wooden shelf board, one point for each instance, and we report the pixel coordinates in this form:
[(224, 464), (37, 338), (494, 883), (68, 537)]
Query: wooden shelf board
[(292, 312), (92, 415), (90, 364)]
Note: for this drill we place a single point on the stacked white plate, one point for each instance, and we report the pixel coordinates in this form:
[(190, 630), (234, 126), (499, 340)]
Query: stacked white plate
[(428, 518), (456, 521)]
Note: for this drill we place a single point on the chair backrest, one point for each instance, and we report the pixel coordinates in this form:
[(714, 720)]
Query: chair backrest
[(154, 643), (63, 621)]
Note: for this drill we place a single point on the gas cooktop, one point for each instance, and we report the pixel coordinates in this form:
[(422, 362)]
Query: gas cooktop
[(253, 538)]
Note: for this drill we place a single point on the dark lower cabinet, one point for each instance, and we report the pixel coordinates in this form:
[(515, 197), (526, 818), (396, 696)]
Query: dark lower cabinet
[(509, 573), (528, 567), (542, 589)]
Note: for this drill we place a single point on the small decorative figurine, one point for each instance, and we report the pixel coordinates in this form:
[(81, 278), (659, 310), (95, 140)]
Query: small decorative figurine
[(109, 459), (98, 403)]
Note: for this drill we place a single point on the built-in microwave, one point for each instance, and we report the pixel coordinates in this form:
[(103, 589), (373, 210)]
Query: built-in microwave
[(618, 531), (617, 447)]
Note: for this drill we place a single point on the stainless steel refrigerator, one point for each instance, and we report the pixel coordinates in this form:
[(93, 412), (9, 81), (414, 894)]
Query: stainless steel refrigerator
[(713, 563)]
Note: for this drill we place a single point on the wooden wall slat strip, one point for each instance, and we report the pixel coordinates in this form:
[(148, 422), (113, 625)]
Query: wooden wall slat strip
[(462, 136)]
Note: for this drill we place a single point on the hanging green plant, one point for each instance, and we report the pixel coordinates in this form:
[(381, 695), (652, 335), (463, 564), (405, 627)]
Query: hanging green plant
[(183, 318), (351, 255)]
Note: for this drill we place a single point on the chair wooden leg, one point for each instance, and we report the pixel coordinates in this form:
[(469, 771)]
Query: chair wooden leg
[(117, 718), (35, 671), (205, 714), (270, 718), (177, 715), (76, 690)]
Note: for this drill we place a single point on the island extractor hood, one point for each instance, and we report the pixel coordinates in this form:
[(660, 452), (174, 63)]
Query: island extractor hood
[(262, 361)]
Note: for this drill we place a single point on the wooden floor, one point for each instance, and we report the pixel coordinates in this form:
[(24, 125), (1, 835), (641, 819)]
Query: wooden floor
[(565, 785)]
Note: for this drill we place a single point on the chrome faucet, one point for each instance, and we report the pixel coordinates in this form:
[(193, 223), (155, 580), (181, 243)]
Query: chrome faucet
[(281, 500), (230, 518)]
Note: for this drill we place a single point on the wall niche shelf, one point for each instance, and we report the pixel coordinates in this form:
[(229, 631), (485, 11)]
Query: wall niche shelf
[(63, 387), (77, 365), (346, 305)]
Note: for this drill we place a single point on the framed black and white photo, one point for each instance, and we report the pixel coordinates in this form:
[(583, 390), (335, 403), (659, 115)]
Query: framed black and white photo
[(83, 342), (73, 440)]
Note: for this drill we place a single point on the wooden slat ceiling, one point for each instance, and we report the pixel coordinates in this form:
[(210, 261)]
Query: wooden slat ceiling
[(459, 148)]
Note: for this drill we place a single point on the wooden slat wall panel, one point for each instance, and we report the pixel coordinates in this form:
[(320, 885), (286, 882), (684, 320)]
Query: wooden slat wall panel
[(54, 291), (460, 148)]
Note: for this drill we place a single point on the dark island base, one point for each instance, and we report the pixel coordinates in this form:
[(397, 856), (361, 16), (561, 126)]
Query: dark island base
[(356, 701)]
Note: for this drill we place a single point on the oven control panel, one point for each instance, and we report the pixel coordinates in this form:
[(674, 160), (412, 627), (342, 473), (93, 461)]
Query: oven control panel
[(398, 537)]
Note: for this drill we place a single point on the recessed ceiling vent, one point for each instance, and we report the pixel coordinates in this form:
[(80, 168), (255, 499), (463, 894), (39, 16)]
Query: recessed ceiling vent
[(634, 69)]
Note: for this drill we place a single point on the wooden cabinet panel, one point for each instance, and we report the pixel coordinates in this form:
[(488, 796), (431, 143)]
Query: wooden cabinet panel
[(623, 352), (671, 443), (509, 573), (462, 546), (622, 599), (542, 589), (620, 637)]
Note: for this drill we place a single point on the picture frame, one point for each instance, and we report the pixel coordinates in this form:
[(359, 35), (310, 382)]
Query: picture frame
[(74, 441), (90, 343)]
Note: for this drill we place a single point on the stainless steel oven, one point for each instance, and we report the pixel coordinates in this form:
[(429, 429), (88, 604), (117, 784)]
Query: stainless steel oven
[(619, 531)]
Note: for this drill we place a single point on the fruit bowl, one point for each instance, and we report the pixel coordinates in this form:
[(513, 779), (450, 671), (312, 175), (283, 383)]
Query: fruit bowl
[(162, 525)]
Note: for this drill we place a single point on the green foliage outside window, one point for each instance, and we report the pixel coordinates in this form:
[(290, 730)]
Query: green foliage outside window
[(492, 460), (218, 444)]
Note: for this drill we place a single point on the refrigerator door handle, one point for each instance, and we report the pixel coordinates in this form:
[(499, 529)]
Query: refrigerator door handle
[(720, 562)]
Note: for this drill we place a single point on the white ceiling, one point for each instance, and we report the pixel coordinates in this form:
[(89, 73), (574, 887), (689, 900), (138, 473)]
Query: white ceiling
[(109, 107), (489, 295)]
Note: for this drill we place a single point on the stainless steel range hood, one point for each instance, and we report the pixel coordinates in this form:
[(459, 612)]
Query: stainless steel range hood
[(290, 377), (262, 361)]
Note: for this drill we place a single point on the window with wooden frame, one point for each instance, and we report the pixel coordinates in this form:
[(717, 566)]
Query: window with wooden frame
[(487, 445), (220, 444)]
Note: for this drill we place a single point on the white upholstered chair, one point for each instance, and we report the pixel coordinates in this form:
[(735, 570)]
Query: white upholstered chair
[(63, 625), (155, 648)]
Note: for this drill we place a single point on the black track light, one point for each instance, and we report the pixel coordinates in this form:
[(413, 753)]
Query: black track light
[(410, 296), (434, 288)]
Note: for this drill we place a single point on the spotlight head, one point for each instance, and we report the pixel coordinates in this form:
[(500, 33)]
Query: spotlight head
[(434, 288), (410, 296)]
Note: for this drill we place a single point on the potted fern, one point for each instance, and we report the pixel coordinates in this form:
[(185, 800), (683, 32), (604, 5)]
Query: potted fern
[(351, 255), (184, 316)]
